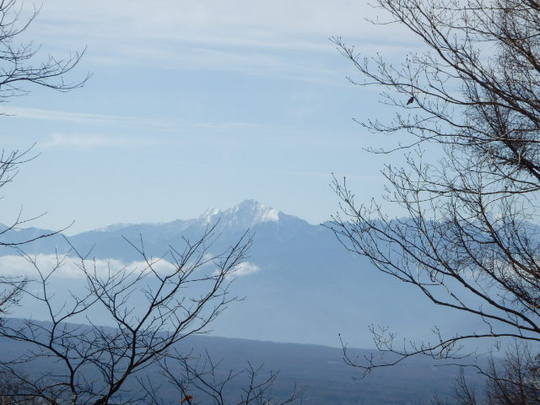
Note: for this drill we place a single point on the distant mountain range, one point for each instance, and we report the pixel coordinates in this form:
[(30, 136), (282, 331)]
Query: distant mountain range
[(317, 372), (302, 287)]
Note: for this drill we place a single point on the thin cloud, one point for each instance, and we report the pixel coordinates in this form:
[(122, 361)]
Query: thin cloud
[(90, 141), (236, 21), (253, 37), (84, 118), (113, 120), (72, 268), (245, 269)]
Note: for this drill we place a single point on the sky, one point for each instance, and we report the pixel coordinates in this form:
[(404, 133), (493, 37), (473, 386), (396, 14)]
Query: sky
[(194, 105)]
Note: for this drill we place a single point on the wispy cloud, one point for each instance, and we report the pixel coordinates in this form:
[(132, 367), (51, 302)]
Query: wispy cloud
[(245, 269), (257, 37), (237, 22), (90, 141), (85, 118), (71, 267), (117, 121)]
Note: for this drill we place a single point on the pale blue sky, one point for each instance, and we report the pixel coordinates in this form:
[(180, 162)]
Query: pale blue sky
[(196, 104)]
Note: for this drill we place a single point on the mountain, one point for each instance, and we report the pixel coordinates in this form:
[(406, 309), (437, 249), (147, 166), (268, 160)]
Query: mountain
[(318, 372), (245, 215), (302, 287)]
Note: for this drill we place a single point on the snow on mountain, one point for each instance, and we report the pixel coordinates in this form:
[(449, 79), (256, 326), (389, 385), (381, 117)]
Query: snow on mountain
[(245, 215), (113, 227), (301, 285)]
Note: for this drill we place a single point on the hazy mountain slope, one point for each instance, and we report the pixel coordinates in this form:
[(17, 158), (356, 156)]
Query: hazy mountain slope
[(307, 288), (317, 371)]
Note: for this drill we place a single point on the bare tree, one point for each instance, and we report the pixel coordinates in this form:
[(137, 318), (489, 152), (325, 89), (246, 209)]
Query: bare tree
[(11, 393), (199, 379), (147, 308), (470, 239), (10, 287), (516, 382), (513, 380), (20, 61), (21, 66)]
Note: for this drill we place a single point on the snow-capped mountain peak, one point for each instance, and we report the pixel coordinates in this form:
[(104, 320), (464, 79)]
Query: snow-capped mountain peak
[(246, 214)]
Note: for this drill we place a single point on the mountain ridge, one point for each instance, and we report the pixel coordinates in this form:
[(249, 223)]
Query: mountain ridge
[(247, 213), (302, 287), (317, 371)]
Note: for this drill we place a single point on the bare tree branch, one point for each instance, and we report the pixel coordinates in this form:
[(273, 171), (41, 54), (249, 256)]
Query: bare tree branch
[(470, 239)]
